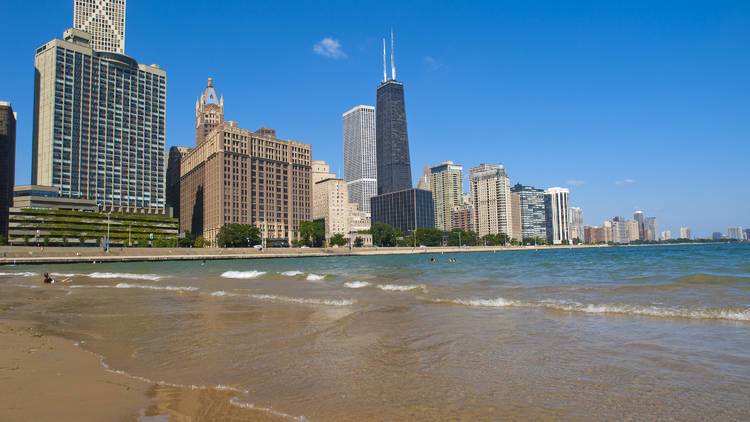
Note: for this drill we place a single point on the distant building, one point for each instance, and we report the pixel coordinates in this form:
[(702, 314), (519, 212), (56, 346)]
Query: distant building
[(515, 217), (601, 234), (685, 233), (650, 229), (556, 206), (665, 235), (234, 175), (461, 218), (717, 235), (424, 181), (174, 161), (7, 163), (406, 210), (638, 216), (360, 155), (104, 20), (619, 230), (533, 211), (576, 223), (446, 183), (735, 233), (634, 230), (330, 199), (99, 124), (747, 234), (490, 189)]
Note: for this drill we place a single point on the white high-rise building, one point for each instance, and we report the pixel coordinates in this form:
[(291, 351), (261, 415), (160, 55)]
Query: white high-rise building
[(446, 183), (360, 155), (104, 20), (666, 235), (490, 189), (576, 223), (735, 233), (330, 200), (684, 233), (558, 224)]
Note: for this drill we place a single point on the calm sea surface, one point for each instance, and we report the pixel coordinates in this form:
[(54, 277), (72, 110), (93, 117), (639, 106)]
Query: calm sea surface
[(639, 333)]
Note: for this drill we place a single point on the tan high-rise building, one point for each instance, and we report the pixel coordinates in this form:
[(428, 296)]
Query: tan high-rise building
[(330, 200), (234, 175), (515, 216), (447, 184), (490, 189)]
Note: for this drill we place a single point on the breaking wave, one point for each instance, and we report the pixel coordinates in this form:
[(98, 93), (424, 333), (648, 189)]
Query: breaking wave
[(400, 288), (356, 284), (291, 273), (315, 277), (623, 309), (148, 287), (21, 274), (152, 277), (242, 274), (308, 301)]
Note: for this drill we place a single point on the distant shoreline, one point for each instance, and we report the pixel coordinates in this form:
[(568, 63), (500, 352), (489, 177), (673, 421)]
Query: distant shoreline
[(10, 255)]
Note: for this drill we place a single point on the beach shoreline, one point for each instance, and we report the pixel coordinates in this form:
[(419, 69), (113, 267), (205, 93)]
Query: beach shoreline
[(10, 255)]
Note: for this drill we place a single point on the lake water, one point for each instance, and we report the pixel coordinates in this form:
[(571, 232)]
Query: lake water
[(641, 333)]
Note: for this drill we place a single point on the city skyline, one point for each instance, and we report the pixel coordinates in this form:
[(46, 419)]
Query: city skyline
[(654, 183)]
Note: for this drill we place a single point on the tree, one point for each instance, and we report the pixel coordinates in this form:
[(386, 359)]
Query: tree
[(46, 240), (358, 242), (186, 241), (81, 240), (458, 237), (312, 233), (65, 240), (3, 241), (237, 236), (142, 242), (429, 237), (199, 242), (338, 240), (384, 235), (26, 240)]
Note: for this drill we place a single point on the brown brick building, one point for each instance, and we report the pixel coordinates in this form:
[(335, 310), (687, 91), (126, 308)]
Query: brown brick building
[(234, 175)]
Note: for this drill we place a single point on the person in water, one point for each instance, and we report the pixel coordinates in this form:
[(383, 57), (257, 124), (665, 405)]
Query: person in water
[(49, 280)]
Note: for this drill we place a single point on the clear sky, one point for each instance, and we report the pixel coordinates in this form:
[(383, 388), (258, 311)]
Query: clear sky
[(632, 105)]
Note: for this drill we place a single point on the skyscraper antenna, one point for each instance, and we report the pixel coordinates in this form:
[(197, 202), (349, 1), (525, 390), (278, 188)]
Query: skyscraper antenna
[(393, 63), (385, 74)]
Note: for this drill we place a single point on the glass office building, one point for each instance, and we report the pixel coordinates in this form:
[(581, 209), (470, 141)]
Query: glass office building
[(406, 210)]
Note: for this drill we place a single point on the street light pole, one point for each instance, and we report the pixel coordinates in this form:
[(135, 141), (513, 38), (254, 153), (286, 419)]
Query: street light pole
[(108, 214)]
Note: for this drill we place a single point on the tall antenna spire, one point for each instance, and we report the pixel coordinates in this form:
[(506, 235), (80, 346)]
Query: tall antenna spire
[(385, 74), (393, 63)]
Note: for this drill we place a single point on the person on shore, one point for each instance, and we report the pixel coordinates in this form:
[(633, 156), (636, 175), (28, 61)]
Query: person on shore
[(49, 280)]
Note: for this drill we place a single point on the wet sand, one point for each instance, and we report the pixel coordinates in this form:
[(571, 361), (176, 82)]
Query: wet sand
[(47, 378)]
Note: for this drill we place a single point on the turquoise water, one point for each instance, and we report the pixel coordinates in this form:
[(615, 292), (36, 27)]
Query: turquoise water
[(659, 332)]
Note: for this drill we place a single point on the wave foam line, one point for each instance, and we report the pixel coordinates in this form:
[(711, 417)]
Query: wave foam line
[(315, 277), (307, 301), (651, 311), (291, 273), (220, 387), (356, 284), (242, 274), (400, 288), (148, 287), (151, 277), (22, 274)]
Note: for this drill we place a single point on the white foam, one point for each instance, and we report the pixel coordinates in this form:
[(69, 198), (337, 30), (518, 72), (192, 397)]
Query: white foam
[(242, 274), (235, 402), (152, 277), (148, 287), (400, 288), (21, 274), (307, 301), (63, 274), (315, 277), (291, 273), (219, 293), (356, 284), (625, 309)]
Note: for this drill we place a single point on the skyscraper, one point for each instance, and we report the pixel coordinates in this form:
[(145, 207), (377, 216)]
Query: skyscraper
[(556, 204), (7, 163), (99, 125), (685, 233), (735, 233), (330, 200), (446, 183), (104, 20), (638, 216), (650, 229), (397, 203), (174, 162), (576, 223), (515, 216), (243, 177), (533, 212), (360, 159), (490, 189)]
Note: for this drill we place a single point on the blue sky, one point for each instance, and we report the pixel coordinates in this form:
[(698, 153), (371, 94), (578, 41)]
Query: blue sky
[(632, 105)]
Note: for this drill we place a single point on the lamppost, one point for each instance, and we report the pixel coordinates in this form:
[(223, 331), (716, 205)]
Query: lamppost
[(107, 243)]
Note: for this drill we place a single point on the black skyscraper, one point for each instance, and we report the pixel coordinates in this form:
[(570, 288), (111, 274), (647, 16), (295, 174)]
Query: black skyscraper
[(392, 140), (7, 163)]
